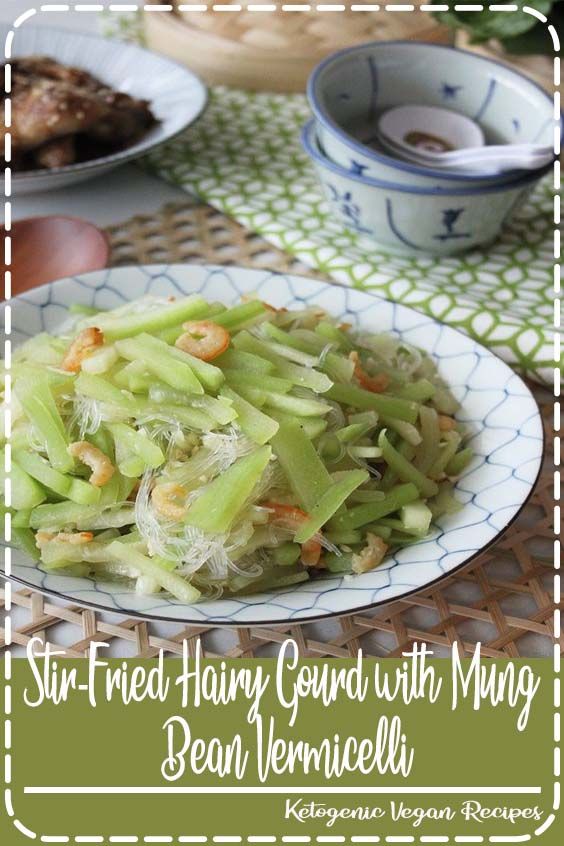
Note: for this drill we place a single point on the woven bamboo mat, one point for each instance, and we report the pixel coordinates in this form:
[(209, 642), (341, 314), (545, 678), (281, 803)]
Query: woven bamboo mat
[(504, 599)]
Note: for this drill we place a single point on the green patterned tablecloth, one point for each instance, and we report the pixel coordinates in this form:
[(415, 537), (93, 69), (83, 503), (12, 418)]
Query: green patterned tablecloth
[(244, 157)]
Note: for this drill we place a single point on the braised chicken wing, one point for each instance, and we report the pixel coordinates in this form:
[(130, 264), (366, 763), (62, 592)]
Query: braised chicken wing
[(62, 114)]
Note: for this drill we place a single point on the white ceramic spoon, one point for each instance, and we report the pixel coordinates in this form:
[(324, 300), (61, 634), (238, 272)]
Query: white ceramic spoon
[(495, 158), (446, 140)]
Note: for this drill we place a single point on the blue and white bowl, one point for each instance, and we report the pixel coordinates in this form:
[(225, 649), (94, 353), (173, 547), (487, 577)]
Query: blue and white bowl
[(414, 220), (349, 90)]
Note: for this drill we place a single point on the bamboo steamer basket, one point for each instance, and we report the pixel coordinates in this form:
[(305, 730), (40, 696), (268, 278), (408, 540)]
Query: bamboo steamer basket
[(275, 51)]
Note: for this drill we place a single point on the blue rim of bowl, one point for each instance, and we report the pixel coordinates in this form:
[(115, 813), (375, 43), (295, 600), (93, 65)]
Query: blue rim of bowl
[(135, 151), (315, 152), (327, 121)]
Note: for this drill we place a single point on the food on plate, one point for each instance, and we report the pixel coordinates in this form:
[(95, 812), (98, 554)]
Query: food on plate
[(187, 447), (61, 115)]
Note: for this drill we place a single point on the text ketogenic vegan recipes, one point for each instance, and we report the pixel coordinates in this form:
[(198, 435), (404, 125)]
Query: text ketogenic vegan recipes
[(201, 450)]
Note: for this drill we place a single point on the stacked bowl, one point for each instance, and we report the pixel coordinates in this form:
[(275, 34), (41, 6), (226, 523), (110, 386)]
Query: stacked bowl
[(406, 207)]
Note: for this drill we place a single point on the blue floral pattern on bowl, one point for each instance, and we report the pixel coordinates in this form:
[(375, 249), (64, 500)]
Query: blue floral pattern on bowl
[(415, 220), (374, 77)]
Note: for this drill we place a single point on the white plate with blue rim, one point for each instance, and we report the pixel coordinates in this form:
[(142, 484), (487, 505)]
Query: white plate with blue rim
[(176, 96), (496, 406)]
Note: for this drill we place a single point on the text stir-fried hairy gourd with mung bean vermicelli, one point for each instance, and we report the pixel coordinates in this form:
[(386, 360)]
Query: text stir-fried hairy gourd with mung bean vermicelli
[(203, 450)]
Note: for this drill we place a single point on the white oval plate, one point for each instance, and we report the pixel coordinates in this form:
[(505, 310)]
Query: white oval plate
[(496, 405), (176, 95)]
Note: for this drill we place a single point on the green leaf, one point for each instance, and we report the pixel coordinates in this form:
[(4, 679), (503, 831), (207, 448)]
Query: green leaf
[(536, 41), (500, 25)]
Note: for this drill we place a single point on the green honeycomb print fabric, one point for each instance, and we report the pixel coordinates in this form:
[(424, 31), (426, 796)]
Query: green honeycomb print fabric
[(244, 157)]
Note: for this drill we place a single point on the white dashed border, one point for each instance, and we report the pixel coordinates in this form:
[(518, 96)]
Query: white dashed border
[(261, 839)]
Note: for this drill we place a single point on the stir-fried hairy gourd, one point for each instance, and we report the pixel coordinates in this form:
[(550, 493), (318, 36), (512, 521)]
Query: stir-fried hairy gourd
[(204, 450)]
